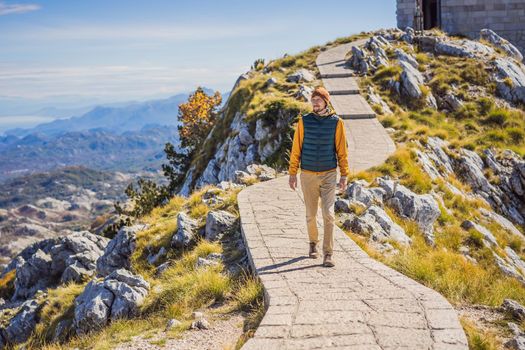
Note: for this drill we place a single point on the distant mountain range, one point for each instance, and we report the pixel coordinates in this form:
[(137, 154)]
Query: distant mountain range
[(126, 138)]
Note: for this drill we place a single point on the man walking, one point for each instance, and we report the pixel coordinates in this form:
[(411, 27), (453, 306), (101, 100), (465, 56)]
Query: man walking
[(319, 145)]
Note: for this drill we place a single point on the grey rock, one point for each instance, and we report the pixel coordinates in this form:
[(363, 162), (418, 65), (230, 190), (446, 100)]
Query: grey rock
[(502, 221), (117, 296), (514, 308), (452, 102), (513, 72), (376, 224), (118, 251), (515, 329), (212, 259), (517, 343), (244, 136), (200, 324), (375, 99), (502, 43), (262, 171), (463, 48), (408, 36), (359, 60), (172, 323), (341, 206), (186, 230), (405, 57), (301, 75), (357, 192), (50, 262), (217, 223), (162, 267), (423, 209), (154, 258), (304, 93), (271, 81), (485, 232), (427, 165), (410, 81), (22, 324)]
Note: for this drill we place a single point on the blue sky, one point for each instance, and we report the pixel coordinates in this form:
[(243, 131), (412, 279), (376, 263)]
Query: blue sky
[(101, 51)]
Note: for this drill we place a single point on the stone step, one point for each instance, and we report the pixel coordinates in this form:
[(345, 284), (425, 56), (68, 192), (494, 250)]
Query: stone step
[(341, 86), (352, 107)]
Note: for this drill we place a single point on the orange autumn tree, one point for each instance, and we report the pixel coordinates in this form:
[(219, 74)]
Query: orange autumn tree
[(197, 117)]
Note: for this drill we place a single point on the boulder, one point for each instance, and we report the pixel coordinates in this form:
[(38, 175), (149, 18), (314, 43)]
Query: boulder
[(117, 296), (186, 230), (217, 223), (118, 251)]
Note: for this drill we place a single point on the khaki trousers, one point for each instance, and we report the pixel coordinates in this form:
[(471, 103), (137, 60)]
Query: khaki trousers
[(315, 186)]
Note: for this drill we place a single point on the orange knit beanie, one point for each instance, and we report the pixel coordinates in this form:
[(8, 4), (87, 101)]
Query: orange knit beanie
[(323, 93)]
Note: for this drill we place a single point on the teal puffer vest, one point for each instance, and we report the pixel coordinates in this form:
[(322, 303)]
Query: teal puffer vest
[(318, 151)]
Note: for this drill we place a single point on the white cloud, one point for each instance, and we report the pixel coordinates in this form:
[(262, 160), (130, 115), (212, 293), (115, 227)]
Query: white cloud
[(6, 9), (176, 32), (112, 81)]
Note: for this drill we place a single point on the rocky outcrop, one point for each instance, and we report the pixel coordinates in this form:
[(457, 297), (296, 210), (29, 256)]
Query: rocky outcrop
[(510, 79), (463, 48), (502, 43), (21, 325), (422, 208), (375, 99), (506, 197), (50, 262), (117, 296), (411, 81), (118, 251), (240, 151)]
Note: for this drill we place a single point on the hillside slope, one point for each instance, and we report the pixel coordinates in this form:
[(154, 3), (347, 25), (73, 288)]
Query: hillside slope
[(454, 109)]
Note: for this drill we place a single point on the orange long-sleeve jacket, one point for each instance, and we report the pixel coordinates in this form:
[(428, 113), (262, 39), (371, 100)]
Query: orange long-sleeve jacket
[(341, 148)]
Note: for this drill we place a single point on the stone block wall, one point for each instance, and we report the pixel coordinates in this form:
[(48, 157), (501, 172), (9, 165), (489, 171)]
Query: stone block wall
[(468, 17)]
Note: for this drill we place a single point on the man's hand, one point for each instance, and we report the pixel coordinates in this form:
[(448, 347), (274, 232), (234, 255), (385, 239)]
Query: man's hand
[(342, 183), (292, 181)]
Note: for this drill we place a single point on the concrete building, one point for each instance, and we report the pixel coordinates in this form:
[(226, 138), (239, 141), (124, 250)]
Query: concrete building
[(467, 17)]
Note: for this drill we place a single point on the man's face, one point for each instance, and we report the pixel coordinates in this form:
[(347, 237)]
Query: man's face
[(318, 103)]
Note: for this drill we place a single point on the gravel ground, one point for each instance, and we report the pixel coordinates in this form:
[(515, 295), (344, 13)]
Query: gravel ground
[(222, 334)]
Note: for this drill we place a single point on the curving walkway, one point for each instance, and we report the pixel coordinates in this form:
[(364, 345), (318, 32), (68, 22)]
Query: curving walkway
[(358, 304)]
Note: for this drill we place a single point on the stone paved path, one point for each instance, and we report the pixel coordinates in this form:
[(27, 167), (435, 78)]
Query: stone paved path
[(358, 304)]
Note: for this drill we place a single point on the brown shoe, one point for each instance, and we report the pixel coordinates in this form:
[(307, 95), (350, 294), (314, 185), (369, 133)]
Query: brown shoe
[(313, 250), (328, 262)]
